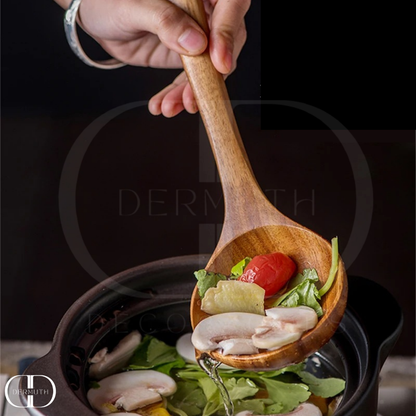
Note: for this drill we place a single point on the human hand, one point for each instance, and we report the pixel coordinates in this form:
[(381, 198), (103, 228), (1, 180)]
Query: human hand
[(154, 32)]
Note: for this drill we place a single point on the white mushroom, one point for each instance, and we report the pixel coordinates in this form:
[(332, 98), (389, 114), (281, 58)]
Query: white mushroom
[(283, 326), (244, 333), (185, 348), (130, 390), (305, 409), (298, 319), (238, 346), (272, 338), (187, 351), (216, 328), (105, 364)]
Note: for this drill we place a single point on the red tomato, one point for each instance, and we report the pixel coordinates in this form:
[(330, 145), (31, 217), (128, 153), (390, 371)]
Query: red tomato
[(270, 271)]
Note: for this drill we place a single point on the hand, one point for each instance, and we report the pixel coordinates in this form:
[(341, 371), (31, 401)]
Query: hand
[(154, 32)]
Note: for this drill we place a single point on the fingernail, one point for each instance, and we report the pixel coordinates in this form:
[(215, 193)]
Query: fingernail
[(192, 40), (228, 60)]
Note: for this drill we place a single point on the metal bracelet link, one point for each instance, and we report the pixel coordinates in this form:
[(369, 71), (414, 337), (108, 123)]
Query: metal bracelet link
[(70, 24)]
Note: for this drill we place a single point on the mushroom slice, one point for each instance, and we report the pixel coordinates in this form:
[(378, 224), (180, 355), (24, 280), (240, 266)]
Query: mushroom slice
[(137, 397), (130, 390), (237, 346), (297, 319), (185, 348), (305, 409), (99, 356), (187, 351), (272, 338), (216, 328), (105, 364), (283, 326)]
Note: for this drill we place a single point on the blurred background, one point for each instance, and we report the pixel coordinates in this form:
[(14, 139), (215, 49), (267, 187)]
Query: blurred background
[(147, 187)]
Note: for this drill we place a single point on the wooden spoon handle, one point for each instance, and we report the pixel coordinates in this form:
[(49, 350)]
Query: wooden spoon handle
[(246, 207), (208, 85)]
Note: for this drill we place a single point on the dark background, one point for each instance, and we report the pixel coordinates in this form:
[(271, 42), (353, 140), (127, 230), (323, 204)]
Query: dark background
[(49, 97)]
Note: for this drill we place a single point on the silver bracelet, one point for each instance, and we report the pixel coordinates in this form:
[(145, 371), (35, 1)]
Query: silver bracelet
[(70, 24)]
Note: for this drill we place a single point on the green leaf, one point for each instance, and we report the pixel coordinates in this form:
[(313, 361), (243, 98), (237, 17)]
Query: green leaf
[(275, 408), (238, 269), (213, 398), (237, 390), (153, 353), (241, 388), (294, 368), (208, 387), (324, 387), (334, 268), (168, 367), (288, 395), (212, 407), (207, 280), (189, 398), (256, 406), (174, 409), (303, 293)]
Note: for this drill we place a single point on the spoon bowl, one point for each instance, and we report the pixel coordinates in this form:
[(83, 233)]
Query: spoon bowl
[(252, 225), (307, 250)]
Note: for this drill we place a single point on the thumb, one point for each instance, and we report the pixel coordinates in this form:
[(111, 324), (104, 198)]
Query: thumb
[(175, 29)]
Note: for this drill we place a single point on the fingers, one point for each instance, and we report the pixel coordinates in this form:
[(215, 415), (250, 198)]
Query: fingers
[(175, 29), (228, 33), (173, 99)]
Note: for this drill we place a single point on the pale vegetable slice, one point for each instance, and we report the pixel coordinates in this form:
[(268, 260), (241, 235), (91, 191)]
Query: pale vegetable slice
[(273, 338), (130, 390), (234, 296), (104, 363), (283, 326), (216, 328), (297, 319), (185, 348), (238, 346)]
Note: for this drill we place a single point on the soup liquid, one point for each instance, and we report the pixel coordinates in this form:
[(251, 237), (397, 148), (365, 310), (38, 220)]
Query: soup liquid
[(210, 366)]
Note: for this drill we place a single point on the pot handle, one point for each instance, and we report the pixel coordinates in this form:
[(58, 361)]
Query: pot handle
[(64, 396), (379, 312)]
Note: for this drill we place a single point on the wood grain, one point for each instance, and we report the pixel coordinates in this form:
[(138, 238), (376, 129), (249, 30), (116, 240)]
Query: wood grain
[(252, 225)]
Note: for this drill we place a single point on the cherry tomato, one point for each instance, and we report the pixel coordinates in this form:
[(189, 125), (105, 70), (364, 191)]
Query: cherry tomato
[(270, 271)]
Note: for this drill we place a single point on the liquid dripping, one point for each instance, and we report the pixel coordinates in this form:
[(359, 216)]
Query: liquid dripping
[(210, 366)]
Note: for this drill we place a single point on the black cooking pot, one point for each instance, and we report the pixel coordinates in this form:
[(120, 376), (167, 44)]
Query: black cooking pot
[(154, 298)]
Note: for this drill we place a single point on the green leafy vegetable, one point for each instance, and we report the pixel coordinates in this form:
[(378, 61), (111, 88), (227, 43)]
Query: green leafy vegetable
[(237, 389), (207, 280), (334, 268), (241, 388), (286, 388), (238, 269), (256, 406), (208, 387), (197, 394), (302, 291), (188, 399), (153, 353), (288, 395), (324, 387)]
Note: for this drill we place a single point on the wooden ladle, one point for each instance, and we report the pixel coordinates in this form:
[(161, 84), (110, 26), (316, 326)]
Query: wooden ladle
[(252, 225)]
